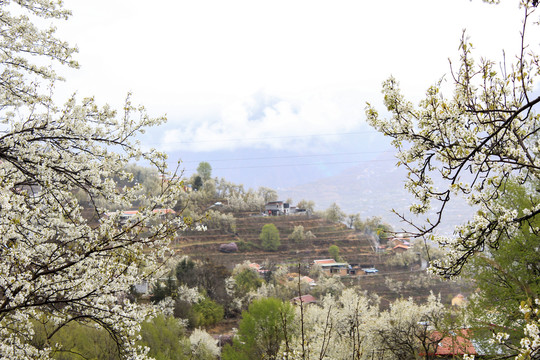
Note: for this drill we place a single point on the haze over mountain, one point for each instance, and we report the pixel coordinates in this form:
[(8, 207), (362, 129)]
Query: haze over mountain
[(373, 188)]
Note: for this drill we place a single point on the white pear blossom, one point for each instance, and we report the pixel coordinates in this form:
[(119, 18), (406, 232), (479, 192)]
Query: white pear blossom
[(469, 143), (61, 262), (335, 328), (472, 144), (203, 345), (530, 343)]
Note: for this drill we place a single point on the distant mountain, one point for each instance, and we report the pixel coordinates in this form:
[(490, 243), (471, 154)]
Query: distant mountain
[(373, 189)]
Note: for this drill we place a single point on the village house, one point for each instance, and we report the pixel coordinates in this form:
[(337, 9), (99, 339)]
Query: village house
[(400, 248), (305, 279), (274, 208), (304, 299), (458, 300), (163, 213), (308, 280), (331, 267), (258, 268), (126, 215), (454, 345)]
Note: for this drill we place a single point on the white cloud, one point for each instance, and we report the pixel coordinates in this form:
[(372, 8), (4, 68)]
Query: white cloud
[(264, 121), (265, 71)]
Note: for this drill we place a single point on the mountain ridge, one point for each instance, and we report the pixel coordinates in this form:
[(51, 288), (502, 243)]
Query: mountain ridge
[(374, 189)]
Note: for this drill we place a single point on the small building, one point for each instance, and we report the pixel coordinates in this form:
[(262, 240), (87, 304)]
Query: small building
[(275, 208), (304, 299), (308, 280), (399, 241), (258, 268), (400, 248), (126, 215), (324, 261), (456, 344), (458, 300), (142, 288), (164, 213), (304, 279), (355, 269), (331, 267)]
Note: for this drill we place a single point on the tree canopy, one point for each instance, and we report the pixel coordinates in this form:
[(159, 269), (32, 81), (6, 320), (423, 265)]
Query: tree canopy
[(333, 250), (509, 275), (204, 170), (263, 328), (269, 237), (334, 213), (69, 263), (470, 144), (474, 143)]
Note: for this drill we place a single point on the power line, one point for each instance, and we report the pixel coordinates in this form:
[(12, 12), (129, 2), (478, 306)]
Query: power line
[(285, 157), (268, 137), (293, 165)]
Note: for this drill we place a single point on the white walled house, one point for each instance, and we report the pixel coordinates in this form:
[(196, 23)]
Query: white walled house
[(277, 208)]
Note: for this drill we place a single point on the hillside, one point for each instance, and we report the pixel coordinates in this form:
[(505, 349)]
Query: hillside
[(355, 248)]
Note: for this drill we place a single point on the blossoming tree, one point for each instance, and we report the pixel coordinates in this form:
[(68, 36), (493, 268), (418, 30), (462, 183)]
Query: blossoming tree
[(474, 143), (61, 263)]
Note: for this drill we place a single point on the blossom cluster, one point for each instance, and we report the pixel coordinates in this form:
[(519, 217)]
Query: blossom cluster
[(62, 260)]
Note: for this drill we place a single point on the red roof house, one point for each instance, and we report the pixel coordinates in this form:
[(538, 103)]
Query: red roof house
[(304, 299), (457, 343)]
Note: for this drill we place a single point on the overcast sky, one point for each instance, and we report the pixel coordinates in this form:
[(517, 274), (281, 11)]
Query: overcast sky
[(244, 77)]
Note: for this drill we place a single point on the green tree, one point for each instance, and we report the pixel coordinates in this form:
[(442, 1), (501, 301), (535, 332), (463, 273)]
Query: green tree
[(204, 170), (197, 183), (208, 312), (247, 280), (269, 237), (333, 250), (76, 340), (160, 291), (373, 225), (185, 271), (352, 219), (508, 275), (165, 337), (264, 326)]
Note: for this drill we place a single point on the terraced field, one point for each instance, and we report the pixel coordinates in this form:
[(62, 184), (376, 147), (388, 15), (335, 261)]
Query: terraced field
[(355, 248)]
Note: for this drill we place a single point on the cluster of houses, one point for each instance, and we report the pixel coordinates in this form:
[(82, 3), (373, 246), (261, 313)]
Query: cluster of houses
[(276, 208), (396, 245), (451, 345)]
